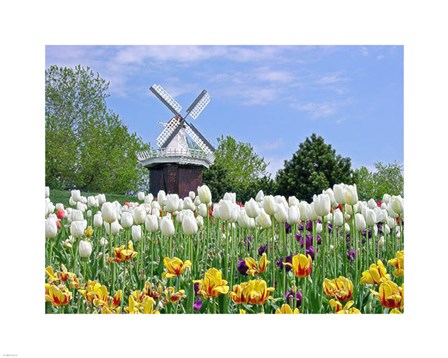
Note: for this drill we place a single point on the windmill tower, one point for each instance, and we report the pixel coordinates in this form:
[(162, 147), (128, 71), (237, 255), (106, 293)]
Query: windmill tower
[(176, 167)]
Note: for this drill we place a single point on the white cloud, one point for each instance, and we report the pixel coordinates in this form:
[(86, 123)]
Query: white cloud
[(269, 146), (317, 109), (275, 164)]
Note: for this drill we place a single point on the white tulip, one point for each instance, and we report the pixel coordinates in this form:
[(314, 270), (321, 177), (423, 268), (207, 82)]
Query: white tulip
[(397, 204), (347, 227), (141, 196), (370, 217), (188, 204), (263, 219), (243, 218), (200, 221), (172, 203), (51, 228), (161, 197), (85, 248), (76, 215), (230, 196), (59, 206), (202, 210), (252, 208), (303, 210), (108, 212), (76, 195), (311, 212), (92, 202), (292, 200), (351, 194), (322, 204), (293, 215), (386, 229), (225, 210), (360, 222), (149, 198), (139, 215), (338, 219), (126, 219), (167, 226), (136, 232), (89, 213), (97, 220), (339, 193), (81, 206), (192, 195), (152, 223), (101, 198), (197, 201), (269, 205), (115, 227), (391, 222), (372, 204), (77, 228), (205, 194), (381, 242), (281, 213), (189, 225), (318, 228), (386, 198), (47, 192), (330, 194), (260, 196), (103, 242)]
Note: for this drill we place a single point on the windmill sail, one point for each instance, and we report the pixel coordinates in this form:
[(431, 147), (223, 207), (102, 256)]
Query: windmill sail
[(166, 99), (198, 105), (199, 139), (172, 126)]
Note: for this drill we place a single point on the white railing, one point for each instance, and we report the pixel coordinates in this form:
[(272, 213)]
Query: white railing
[(174, 152)]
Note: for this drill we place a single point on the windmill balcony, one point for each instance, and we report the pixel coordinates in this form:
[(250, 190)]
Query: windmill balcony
[(153, 157)]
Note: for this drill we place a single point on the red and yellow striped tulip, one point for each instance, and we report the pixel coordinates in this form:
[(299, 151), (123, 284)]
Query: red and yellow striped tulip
[(390, 295), (255, 268), (286, 309), (398, 263), (301, 265), (347, 309), (375, 275), (121, 254), (254, 292), (174, 267), (212, 285), (340, 288), (172, 296), (58, 296)]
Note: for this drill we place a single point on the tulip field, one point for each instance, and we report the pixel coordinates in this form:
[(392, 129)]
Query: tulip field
[(192, 255)]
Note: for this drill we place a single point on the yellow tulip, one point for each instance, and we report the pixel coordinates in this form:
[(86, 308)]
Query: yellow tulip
[(212, 285), (398, 263), (122, 254), (301, 265), (390, 295), (286, 309), (347, 309), (254, 292), (340, 288), (375, 275), (172, 296), (58, 296), (395, 311), (174, 267), (254, 268)]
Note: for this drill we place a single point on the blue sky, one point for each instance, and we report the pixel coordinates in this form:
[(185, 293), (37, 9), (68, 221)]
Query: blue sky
[(272, 97)]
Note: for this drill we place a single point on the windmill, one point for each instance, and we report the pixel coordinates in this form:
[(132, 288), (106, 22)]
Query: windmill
[(176, 167)]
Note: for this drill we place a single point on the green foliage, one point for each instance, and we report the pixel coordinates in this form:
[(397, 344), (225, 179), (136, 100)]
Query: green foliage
[(86, 145), (314, 167), (238, 169), (386, 179)]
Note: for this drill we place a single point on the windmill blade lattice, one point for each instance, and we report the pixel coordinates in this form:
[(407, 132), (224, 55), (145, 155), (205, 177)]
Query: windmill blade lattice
[(197, 137), (198, 105), (166, 99), (167, 132)]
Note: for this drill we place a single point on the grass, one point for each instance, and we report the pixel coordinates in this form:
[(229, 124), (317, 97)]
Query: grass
[(63, 196)]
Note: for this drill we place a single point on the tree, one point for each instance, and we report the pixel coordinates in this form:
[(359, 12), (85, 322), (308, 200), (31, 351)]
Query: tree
[(86, 145), (314, 167), (385, 179), (238, 169)]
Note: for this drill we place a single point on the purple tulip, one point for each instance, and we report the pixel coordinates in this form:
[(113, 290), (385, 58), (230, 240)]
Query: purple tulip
[(197, 305), (290, 296), (280, 263), (196, 288), (242, 267), (310, 251), (309, 225), (287, 228), (351, 254), (262, 249), (247, 242)]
